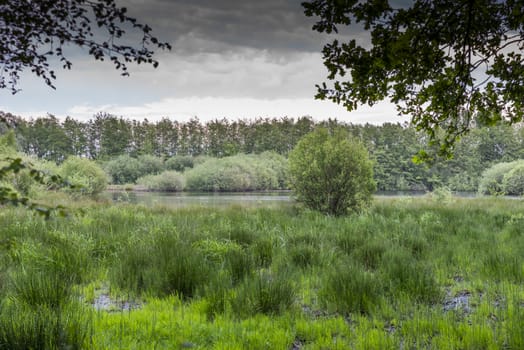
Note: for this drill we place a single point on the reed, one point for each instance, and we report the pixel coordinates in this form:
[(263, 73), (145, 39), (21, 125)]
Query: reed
[(412, 273)]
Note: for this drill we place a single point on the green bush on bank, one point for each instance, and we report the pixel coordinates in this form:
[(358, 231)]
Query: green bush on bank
[(179, 163), (167, 181), (21, 182), (331, 172), (239, 173), (150, 165), (503, 179), (84, 173), (125, 169), (513, 181)]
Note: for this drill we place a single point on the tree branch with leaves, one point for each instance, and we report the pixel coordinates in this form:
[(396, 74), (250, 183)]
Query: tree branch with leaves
[(33, 32), (446, 63)]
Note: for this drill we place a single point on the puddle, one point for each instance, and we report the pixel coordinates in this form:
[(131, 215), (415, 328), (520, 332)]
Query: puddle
[(104, 303), (459, 302)]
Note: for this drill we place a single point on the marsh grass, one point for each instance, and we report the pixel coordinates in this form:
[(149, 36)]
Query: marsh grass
[(160, 265), (262, 252), (370, 253), (405, 274), (348, 288), (304, 255), (42, 327), (240, 265), (40, 288), (266, 278), (267, 293)]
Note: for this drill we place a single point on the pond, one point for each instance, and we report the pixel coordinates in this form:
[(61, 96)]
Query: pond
[(225, 199), (202, 199)]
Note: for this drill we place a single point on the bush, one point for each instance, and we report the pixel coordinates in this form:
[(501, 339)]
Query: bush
[(168, 181), (441, 194), (513, 181), (21, 182), (84, 173), (279, 165), (179, 163), (503, 179), (238, 173), (150, 165), (123, 169), (331, 173)]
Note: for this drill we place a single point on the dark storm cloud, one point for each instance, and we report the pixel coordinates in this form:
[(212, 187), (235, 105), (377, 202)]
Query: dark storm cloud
[(222, 25)]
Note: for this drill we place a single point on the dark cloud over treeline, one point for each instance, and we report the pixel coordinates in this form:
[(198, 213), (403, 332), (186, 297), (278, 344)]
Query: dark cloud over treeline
[(222, 25)]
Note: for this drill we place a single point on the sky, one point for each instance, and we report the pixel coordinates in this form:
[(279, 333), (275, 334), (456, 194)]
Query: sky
[(234, 59)]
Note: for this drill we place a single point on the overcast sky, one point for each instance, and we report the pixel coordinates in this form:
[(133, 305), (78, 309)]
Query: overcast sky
[(233, 59)]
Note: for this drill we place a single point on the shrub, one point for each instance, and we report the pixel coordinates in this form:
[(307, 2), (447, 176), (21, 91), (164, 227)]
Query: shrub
[(123, 169), (331, 173), (513, 181), (441, 194), (237, 173), (179, 163), (22, 181), (149, 165), (84, 173), (492, 181), (168, 181), (200, 159), (278, 164)]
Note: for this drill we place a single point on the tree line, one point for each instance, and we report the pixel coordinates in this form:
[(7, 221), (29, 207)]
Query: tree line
[(391, 146)]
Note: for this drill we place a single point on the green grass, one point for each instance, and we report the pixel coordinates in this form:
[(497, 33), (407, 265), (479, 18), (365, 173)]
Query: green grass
[(412, 273)]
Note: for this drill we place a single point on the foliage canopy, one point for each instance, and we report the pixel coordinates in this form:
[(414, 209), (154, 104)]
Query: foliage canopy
[(31, 32), (446, 63), (505, 178), (88, 176), (331, 173)]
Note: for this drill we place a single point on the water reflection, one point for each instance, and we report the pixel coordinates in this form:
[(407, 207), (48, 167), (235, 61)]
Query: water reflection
[(189, 199), (222, 199)]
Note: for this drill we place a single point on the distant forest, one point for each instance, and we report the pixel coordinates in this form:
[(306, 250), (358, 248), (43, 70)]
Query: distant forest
[(392, 146)]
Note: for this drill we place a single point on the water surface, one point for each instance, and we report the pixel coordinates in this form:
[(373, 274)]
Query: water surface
[(224, 199), (202, 199)]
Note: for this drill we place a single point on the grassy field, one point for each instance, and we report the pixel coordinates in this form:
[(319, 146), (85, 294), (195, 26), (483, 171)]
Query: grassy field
[(408, 274)]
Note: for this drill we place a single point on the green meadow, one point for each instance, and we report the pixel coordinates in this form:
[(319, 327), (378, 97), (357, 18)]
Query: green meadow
[(408, 273)]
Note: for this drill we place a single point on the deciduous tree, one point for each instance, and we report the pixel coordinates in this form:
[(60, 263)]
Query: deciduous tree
[(445, 63), (331, 173), (33, 32)]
